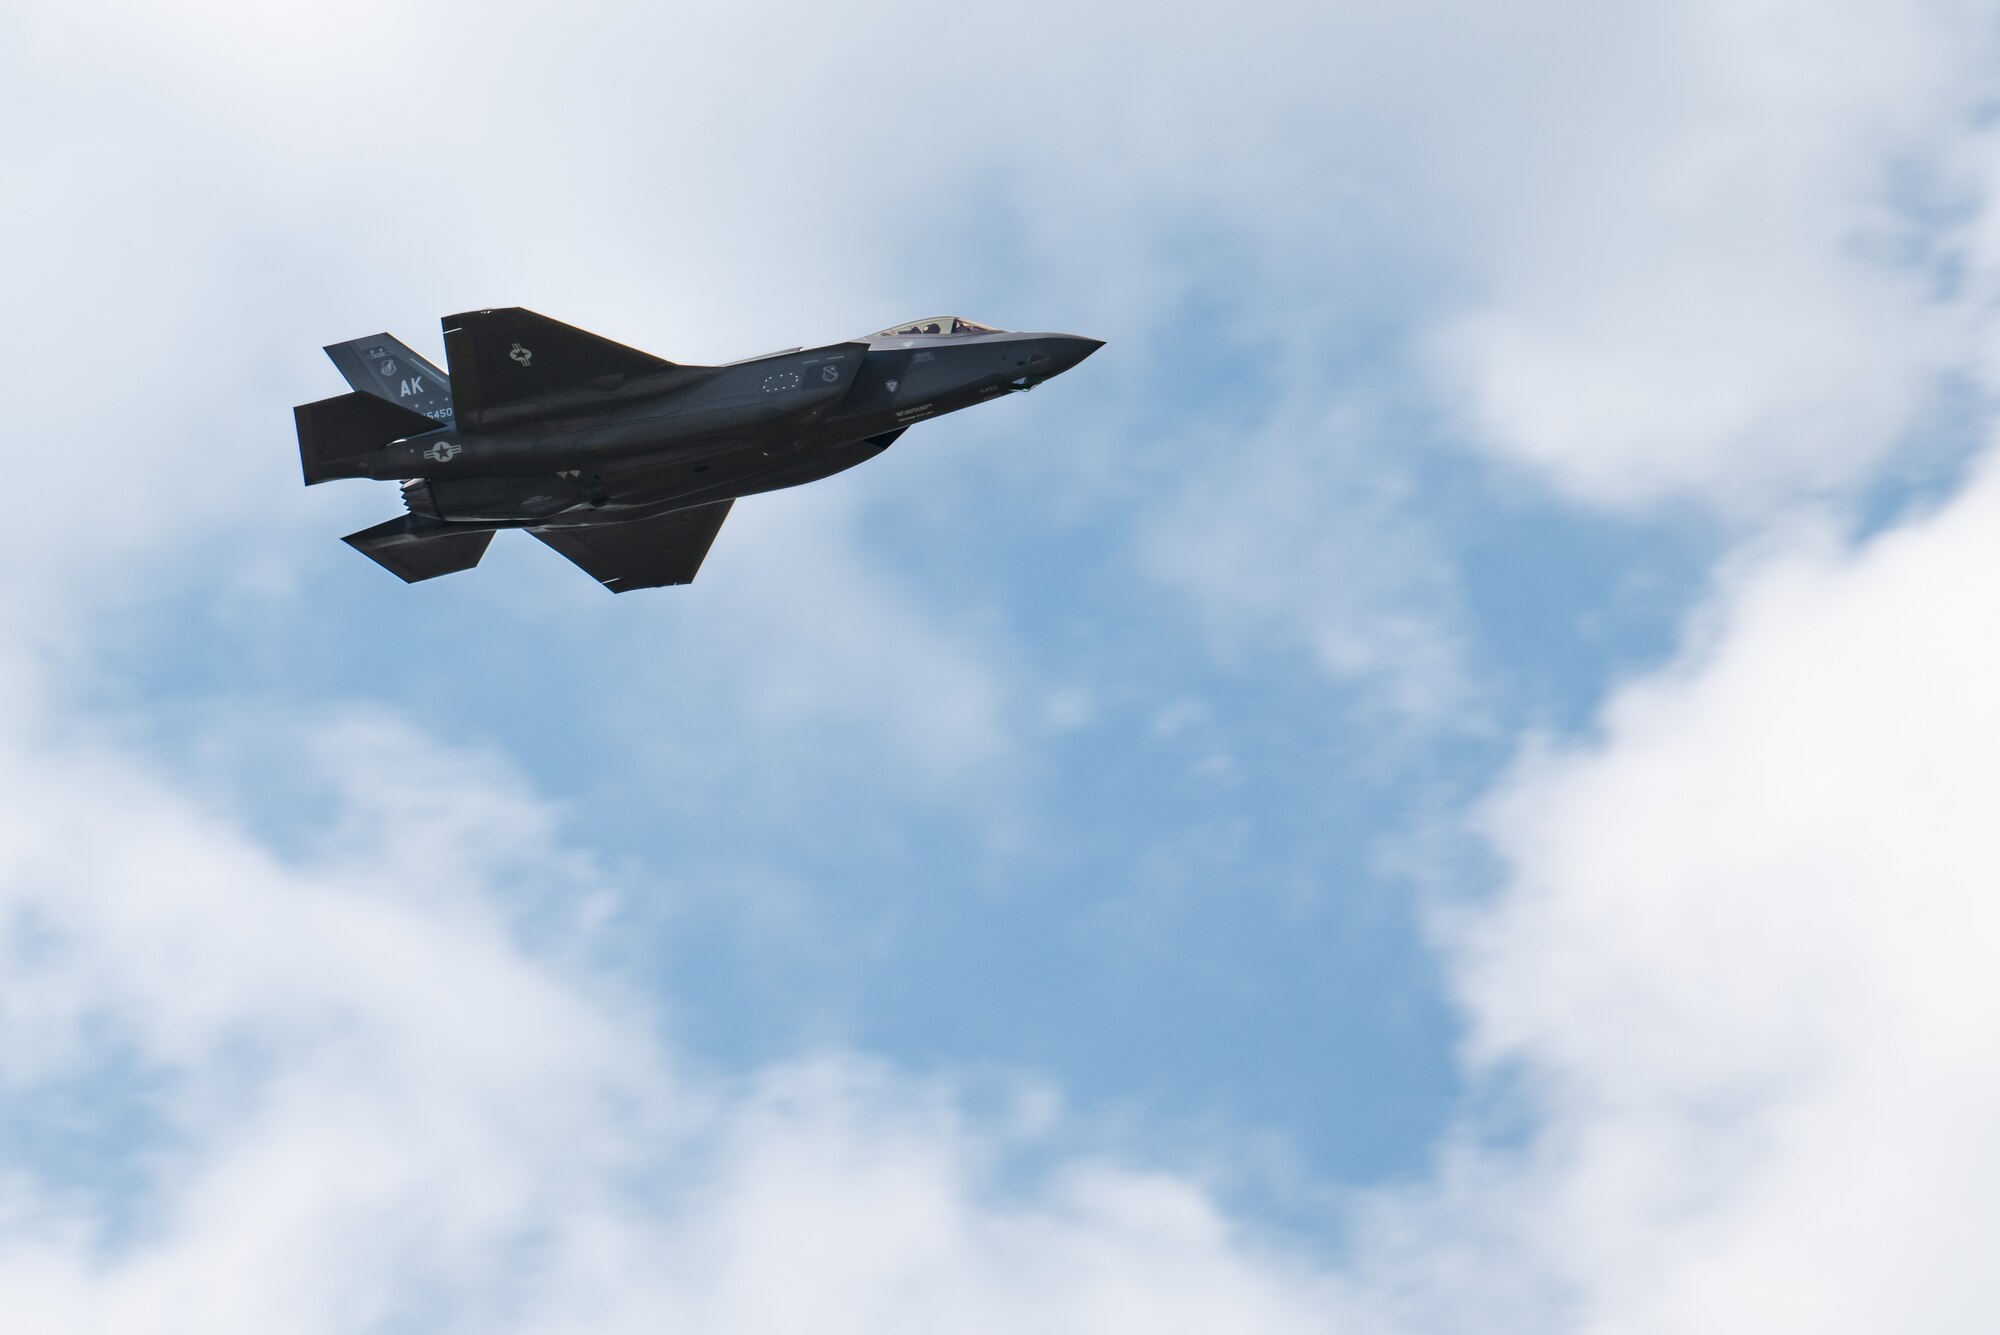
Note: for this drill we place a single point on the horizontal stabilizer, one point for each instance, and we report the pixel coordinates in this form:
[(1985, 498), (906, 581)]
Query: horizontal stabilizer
[(503, 357), (335, 435), (414, 548), (641, 553)]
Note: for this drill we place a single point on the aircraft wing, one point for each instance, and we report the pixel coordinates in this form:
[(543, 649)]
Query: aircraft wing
[(641, 553), (501, 357)]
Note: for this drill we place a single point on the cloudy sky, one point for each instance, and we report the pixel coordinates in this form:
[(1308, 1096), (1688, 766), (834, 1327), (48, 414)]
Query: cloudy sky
[(1443, 782)]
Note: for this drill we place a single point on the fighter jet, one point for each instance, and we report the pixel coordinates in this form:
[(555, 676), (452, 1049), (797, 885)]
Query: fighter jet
[(625, 463)]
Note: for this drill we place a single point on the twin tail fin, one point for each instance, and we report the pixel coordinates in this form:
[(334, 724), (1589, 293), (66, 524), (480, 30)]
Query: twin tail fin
[(388, 369)]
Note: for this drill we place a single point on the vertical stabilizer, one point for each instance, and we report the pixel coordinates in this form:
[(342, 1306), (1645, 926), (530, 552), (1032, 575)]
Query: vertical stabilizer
[(383, 366)]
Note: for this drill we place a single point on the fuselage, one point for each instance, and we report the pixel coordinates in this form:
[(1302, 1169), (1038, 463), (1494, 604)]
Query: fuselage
[(688, 436)]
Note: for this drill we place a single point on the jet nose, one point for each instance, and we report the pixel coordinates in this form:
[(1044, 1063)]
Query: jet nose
[(1037, 358), (1066, 350)]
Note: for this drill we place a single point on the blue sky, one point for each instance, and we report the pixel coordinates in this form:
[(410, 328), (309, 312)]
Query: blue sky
[(1423, 788)]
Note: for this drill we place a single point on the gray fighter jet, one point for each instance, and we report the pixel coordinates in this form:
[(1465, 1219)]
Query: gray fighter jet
[(624, 463)]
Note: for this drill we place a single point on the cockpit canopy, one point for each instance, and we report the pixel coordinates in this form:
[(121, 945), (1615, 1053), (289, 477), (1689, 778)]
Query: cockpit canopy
[(936, 326)]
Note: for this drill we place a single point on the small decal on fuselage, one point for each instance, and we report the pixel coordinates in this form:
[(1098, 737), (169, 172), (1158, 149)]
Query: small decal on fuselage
[(829, 373), (521, 354), (444, 451)]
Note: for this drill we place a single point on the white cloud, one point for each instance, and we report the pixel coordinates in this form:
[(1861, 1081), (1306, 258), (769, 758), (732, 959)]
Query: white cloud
[(1652, 252), (216, 191), (1740, 966), (1739, 974), (1301, 535), (361, 1099), (1741, 971), (1718, 253), (1710, 247)]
